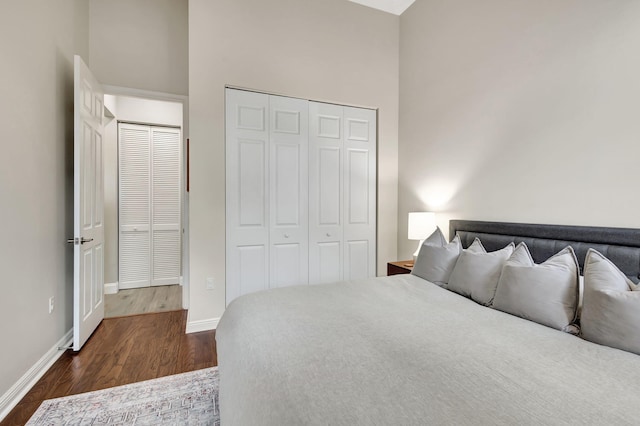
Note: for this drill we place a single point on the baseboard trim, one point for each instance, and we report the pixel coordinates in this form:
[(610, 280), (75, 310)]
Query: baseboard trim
[(202, 325), (16, 392), (111, 288)]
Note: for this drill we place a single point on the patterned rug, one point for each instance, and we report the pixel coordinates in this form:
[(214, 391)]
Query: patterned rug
[(182, 399)]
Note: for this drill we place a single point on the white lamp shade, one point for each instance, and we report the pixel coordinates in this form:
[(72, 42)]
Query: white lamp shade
[(421, 225)]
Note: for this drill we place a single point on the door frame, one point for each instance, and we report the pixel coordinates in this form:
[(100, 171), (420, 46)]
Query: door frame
[(184, 100)]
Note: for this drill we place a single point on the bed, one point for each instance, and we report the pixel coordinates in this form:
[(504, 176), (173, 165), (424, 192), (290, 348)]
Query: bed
[(401, 350)]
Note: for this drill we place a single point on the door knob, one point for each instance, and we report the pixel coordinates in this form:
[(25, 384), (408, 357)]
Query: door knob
[(79, 240), (328, 234), (286, 235)]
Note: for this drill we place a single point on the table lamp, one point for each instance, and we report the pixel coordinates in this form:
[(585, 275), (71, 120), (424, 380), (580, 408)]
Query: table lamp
[(421, 225)]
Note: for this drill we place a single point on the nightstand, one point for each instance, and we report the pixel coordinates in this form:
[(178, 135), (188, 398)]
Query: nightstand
[(399, 267)]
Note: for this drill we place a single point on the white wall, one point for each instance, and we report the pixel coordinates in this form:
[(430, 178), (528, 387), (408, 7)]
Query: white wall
[(131, 109), (520, 111), (330, 50), (110, 167), (148, 111), (37, 39), (141, 44)]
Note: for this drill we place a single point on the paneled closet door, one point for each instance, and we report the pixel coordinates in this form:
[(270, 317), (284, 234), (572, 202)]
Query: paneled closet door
[(325, 193), (300, 192), (247, 193), (359, 193), (165, 205), (134, 206), (288, 181)]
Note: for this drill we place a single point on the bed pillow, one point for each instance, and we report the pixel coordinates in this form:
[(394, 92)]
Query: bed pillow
[(477, 272), (436, 258), (611, 305), (546, 293)]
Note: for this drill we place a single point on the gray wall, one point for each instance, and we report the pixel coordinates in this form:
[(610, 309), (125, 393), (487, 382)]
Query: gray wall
[(520, 111), (331, 50), (37, 41), (141, 44)]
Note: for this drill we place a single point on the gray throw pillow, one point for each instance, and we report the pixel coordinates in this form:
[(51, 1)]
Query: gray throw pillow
[(436, 258), (611, 305), (546, 293), (477, 272)]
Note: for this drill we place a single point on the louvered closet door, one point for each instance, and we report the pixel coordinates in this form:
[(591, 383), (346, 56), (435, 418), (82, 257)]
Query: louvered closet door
[(359, 129), (247, 193), (149, 206), (325, 193), (134, 206), (165, 206), (288, 181)]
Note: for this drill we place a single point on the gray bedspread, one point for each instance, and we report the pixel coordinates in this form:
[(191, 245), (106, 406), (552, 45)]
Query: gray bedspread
[(402, 351)]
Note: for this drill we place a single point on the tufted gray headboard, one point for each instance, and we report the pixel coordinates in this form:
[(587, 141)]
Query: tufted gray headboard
[(620, 245)]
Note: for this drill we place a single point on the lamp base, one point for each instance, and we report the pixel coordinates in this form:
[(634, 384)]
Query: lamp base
[(417, 252)]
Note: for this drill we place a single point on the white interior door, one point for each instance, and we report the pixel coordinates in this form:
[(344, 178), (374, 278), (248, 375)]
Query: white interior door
[(134, 206), (88, 205), (149, 205), (300, 192), (165, 206), (247, 193), (288, 182), (359, 193), (325, 193)]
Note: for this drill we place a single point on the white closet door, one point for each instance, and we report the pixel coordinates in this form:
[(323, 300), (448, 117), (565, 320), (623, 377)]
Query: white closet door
[(325, 193), (135, 204), (300, 192), (165, 205), (359, 193), (247, 195), (288, 181)]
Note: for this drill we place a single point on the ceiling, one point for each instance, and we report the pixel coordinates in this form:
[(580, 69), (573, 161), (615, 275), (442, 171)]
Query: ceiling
[(391, 6)]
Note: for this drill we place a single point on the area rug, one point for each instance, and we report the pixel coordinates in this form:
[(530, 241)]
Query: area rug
[(182, 399)]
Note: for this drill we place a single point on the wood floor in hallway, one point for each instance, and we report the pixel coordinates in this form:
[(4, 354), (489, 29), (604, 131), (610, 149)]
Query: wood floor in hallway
[(143, 300), (121, 351)]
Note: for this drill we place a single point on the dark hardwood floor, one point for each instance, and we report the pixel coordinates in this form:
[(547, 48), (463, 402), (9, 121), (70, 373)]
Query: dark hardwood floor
[(121, 351)]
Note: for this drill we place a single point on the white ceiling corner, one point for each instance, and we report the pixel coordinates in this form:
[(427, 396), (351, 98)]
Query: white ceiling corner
[(391, 6)]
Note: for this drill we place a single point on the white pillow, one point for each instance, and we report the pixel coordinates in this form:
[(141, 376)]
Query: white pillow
[(436, 258), (477, 272), (546, 293), (611, 305)]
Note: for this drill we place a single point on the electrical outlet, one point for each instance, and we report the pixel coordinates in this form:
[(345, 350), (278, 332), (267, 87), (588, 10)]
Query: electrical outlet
[(210, 284), (51, 300)]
